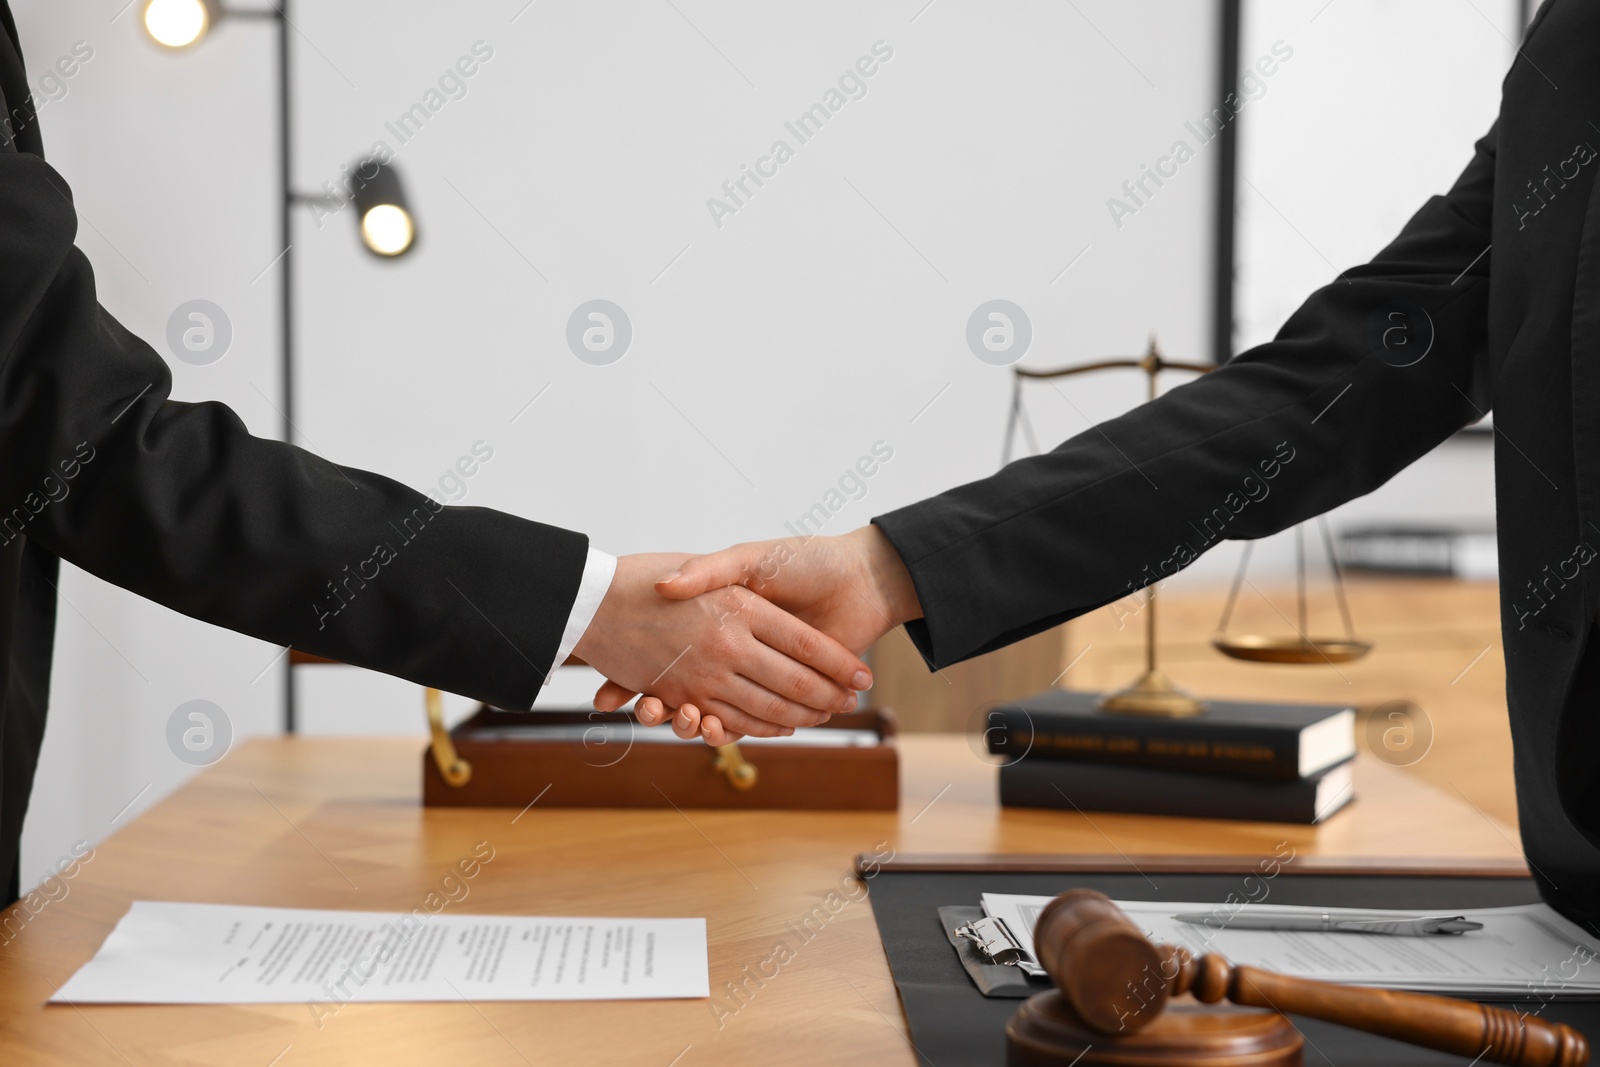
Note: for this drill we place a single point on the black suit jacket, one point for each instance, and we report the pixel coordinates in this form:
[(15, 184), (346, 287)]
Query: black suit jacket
[(1504, 273), (179, 504)]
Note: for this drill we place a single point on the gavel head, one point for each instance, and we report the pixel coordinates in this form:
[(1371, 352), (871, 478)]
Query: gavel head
[(1110, 974)]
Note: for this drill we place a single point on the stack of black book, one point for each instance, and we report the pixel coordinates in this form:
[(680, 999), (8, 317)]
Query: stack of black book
[(1239, 760)]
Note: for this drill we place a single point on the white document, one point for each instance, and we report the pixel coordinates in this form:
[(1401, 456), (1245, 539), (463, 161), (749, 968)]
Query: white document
[(172, 953), (1528, 951), (605, 735)]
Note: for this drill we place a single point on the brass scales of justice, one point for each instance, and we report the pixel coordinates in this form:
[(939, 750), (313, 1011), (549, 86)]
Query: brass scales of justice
[(1153, 693)]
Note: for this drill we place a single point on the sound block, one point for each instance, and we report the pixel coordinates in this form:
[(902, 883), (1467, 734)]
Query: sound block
[(1046, 1033)]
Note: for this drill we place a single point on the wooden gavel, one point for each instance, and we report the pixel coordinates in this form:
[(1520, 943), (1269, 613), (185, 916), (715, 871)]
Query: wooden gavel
[(1113, 985)]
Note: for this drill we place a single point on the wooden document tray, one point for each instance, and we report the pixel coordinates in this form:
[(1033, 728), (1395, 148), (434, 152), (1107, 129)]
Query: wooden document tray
[(603, 760)]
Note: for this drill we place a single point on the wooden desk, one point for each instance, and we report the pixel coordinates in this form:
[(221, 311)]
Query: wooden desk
[(336, 824)]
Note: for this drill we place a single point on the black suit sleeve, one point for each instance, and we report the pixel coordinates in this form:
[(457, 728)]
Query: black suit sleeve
[(177, 502), (1327, 411)]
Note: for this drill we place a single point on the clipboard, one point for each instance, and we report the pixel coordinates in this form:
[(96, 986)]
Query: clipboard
[(993, 977)]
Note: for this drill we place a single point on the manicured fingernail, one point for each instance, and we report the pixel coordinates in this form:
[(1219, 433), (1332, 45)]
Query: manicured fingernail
[(668, 579), (862, 680), (849, 703)]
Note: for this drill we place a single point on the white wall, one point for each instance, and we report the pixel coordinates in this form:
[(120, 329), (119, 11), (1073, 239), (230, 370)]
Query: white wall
[(1309, 140), (827, 314)]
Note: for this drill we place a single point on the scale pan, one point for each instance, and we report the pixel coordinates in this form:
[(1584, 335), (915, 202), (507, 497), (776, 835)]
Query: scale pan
[(1260, 648)]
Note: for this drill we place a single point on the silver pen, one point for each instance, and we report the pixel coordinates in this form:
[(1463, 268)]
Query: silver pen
[(1332, 922)]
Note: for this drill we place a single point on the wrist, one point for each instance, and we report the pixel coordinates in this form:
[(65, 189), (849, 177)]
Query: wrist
[(596, 637), (888, 573)]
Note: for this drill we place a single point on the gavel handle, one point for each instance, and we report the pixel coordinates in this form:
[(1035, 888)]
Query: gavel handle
[(1457, 1026)]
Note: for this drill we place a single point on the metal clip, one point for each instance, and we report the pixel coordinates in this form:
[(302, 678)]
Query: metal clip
[(741, 773), (455, 770), (994, 942)]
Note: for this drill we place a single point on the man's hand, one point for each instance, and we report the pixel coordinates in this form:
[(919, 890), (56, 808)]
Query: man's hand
[(854, 588), (687, 722), (727, 652)]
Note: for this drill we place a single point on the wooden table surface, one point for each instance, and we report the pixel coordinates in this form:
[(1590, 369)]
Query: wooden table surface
[(321, 823)]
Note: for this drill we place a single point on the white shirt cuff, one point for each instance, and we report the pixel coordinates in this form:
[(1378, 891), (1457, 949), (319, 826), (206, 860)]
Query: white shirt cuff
[(598, 570)]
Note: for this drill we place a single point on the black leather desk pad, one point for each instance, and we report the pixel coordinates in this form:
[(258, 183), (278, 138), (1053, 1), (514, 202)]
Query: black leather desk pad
[(954, 1025)]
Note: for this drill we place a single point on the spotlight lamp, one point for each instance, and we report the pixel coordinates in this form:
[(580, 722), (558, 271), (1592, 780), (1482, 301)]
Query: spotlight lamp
[(387, 226), (179, 24), (383, 217)]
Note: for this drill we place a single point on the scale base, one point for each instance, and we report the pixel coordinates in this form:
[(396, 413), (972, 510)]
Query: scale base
[(1046, 1032), (1153, 694)]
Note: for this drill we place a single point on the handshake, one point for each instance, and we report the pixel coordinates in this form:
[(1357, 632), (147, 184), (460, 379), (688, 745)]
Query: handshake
[(755, 640)]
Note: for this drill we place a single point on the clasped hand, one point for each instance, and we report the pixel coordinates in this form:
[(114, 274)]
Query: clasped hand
[(755, 640)]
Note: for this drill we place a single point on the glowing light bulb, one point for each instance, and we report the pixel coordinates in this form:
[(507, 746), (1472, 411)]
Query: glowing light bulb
[(176, 23), (387, 229)]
